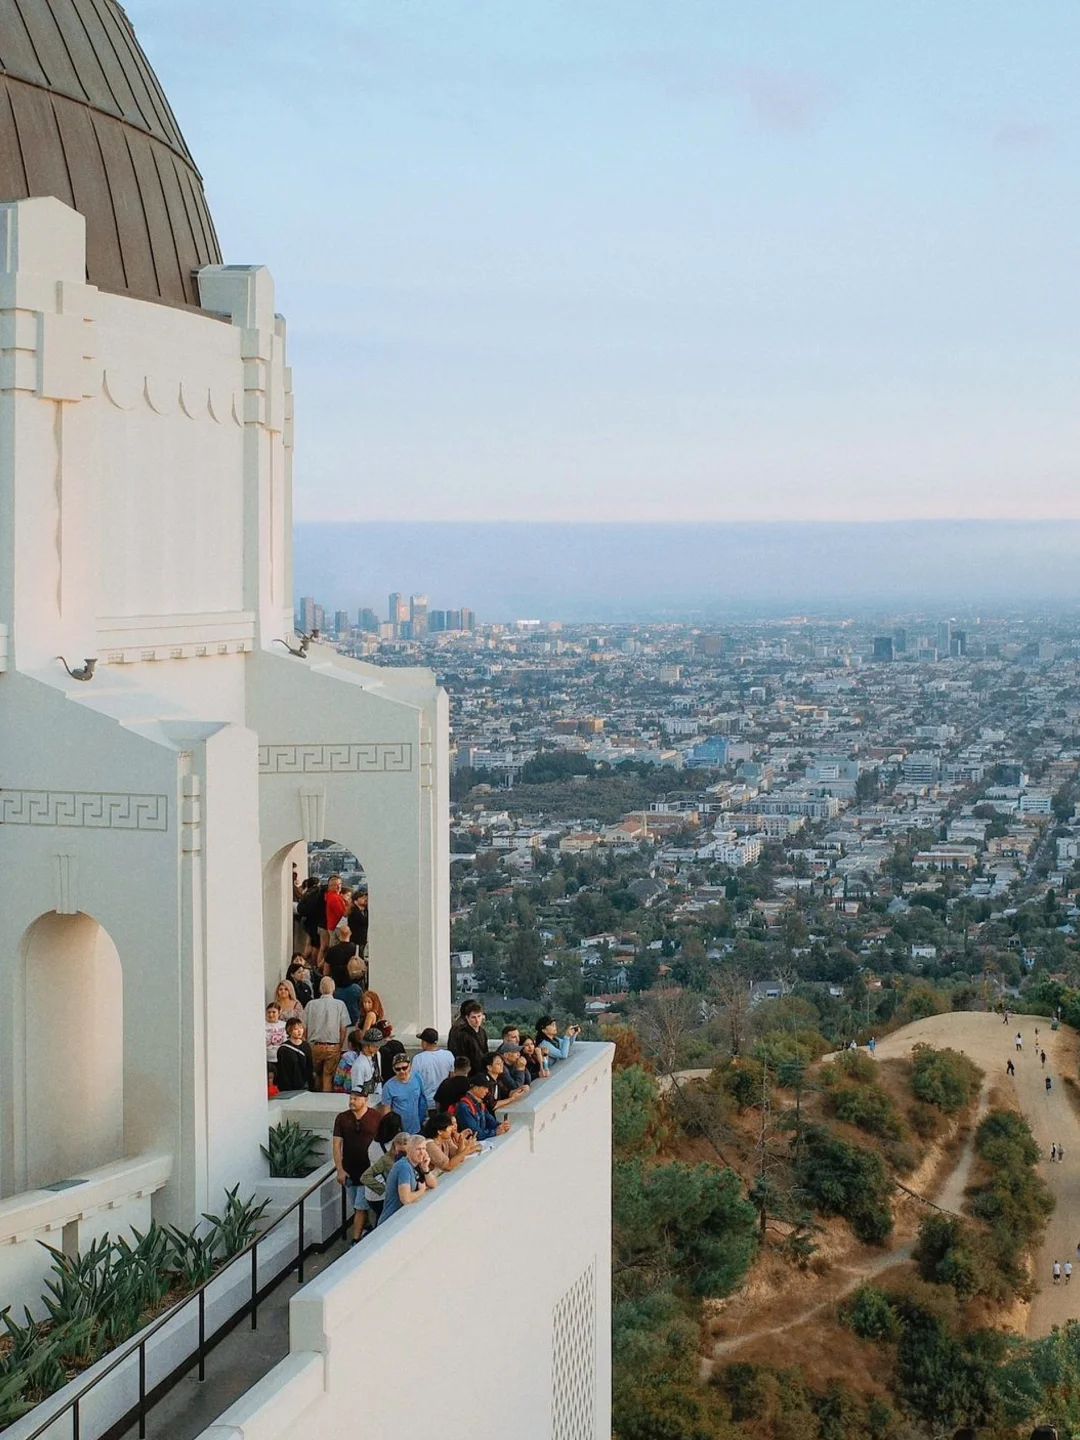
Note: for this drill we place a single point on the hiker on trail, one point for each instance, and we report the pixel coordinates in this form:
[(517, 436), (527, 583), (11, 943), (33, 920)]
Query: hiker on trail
[(1042, 1056), (1068, 1271), (1010, 1068), (1049, 1083), (1061, 1152), (871, 1044), (1053, 1153), (1019, 1041), (1057, 1272)]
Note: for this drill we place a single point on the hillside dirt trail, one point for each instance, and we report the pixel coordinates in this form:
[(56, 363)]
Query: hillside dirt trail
[(1053, 1119)]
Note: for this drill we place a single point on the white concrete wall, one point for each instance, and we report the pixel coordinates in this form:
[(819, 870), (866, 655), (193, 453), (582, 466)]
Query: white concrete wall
[(75, 994), (113, 1199), (358, 754), (505, 1267)]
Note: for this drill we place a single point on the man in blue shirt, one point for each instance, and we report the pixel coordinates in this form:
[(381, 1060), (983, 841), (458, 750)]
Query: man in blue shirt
[(432, 1064), (410, 1178), (404, 1093), (471, 1111)]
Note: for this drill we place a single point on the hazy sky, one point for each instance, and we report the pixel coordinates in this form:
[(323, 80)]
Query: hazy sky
[(637, 259)]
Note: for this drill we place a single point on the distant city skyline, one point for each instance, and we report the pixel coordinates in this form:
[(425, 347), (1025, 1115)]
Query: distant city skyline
[(614, 260), (641, 572)]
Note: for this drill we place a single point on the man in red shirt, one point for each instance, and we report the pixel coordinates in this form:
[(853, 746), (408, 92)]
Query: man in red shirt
[(336, 910), (354, 1130)]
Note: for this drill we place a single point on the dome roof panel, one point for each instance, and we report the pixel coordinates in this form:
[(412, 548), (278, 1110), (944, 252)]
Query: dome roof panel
[(83, 118)]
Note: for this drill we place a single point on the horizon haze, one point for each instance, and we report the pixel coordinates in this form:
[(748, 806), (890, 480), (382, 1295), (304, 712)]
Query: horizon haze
[(607, 573)]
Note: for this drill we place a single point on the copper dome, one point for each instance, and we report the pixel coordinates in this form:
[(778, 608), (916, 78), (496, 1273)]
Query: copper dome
[(83, 118)]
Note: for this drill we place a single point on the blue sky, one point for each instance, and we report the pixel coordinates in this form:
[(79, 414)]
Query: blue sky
[(675, 260)]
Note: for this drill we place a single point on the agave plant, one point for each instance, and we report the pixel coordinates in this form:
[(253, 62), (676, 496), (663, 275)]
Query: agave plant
[(35, 1361), (237, 1225), (192, 1257), (77, 1296), (293, 1151)]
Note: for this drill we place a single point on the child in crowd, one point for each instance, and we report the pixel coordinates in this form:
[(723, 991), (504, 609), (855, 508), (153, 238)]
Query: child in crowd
[(343, 1073), (275, 1031), (295, 1069)]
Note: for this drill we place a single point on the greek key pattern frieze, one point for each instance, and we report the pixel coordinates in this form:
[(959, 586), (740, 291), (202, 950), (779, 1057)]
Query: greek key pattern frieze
[(84, 809), (376, 757)]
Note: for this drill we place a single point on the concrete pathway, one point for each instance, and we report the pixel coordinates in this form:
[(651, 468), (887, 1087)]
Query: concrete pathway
[(232, 1367)]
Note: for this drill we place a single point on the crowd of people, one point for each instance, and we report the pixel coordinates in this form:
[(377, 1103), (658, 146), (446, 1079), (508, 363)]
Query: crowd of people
[(410, 1118)]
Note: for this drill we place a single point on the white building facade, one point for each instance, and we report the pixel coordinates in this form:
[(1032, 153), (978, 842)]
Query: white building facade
[(165, 759)]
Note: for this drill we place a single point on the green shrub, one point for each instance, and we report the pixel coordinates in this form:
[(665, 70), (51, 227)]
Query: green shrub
[(677, 1220), (902, 1157), (843, 1179), (635, 1113), (778, 1048), (1013, 1201), (924, 1120), (871, 1314), (870, 1109), (741, 1079), (293, 1151), (948, 1252), (857, 1065), (944, 1078)]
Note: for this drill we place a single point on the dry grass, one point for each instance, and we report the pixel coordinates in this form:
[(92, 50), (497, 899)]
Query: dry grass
[(825, 1350)]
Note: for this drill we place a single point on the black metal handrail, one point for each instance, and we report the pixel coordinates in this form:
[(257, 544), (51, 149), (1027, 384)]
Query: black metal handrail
[(199, 1295)]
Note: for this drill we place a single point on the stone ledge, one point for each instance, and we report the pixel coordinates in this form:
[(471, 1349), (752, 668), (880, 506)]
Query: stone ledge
[(22, 1216)]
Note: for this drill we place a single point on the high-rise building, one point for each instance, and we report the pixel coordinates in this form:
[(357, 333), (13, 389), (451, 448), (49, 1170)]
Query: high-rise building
[(399, 610), (305, 622), (883, 647), (944, 638), (319, 617), (436, 621), (341, 622), (453, 620), (418, 616), (468, 619), (368, 621), (958, 645), (899, 641)]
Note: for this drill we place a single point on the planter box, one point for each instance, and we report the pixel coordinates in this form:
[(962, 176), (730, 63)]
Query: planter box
[(322, 1211), (176, 1341)]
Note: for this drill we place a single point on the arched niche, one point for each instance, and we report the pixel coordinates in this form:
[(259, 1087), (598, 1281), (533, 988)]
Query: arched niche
[(319, 858), (73, 1031)]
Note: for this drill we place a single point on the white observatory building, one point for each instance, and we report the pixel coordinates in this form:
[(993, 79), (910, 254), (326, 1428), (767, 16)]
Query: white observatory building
[(164, 759)]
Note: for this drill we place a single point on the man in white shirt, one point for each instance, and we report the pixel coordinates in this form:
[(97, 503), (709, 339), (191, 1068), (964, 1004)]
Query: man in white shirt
[(328, 1023), (432, 1064), (364, 1079)]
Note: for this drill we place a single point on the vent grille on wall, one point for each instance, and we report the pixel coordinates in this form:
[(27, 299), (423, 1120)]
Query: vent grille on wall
[(573, 1370)]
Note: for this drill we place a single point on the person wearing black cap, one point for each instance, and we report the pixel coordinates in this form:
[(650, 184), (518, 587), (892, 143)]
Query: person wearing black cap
[(432, 1064), (365, 1078)]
